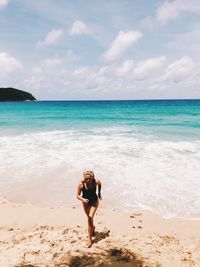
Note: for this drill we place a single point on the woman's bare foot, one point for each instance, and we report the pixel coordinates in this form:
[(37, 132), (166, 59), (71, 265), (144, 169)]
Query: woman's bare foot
[(89, 244)]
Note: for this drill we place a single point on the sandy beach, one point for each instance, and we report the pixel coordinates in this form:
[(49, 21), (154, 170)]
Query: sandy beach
[(100, 105), (57, 236)]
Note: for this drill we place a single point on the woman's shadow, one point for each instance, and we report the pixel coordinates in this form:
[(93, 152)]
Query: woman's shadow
[(98, 236)]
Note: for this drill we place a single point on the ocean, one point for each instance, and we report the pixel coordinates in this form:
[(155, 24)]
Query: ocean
[(146, 153)]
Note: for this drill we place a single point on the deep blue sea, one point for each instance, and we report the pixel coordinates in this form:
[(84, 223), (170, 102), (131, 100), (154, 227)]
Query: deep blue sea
[(146, 153)]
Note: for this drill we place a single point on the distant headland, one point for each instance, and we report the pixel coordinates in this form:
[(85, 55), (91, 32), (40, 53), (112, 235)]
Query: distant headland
[(12, 94)]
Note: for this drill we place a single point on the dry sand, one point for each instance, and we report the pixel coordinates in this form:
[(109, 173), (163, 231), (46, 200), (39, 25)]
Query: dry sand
[(34, 236)]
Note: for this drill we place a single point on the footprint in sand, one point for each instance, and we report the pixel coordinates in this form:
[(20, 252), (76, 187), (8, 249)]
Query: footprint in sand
[(73, 241), (55, 255), (65, 231), (137, 214)]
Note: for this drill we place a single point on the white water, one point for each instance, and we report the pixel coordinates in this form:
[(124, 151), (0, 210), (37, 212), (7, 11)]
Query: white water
[(136, 172)]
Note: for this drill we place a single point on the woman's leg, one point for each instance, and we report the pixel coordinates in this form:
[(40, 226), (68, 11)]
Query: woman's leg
[(91, 221), (90, 212), (87, 209)]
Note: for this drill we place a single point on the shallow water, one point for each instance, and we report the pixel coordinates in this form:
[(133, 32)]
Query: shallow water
[(146, 153)]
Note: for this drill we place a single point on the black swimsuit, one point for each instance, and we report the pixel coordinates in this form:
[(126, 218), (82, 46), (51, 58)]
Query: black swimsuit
[(90, 193)]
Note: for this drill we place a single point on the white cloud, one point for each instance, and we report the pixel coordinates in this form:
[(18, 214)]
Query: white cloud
[(148, 78), (126, 67), (79, 28), (179, 70), (188, 41), (121, 43), (3, 3), (8, 64), (149, 66), (51, 38), (170, 10)]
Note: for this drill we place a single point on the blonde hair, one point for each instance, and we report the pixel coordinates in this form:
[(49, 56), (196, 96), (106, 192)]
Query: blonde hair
[(89, 173)]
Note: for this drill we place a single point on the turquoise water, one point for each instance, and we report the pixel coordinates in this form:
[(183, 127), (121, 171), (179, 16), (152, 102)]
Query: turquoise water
[(160, 118), (146, 153)]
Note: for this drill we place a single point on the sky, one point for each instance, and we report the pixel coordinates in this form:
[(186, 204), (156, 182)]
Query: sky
[(108, 49)]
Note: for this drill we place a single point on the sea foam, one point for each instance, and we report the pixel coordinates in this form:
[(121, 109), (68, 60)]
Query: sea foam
[(137, 171)]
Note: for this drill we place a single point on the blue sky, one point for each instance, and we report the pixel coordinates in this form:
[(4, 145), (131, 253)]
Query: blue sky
[(130, 49)]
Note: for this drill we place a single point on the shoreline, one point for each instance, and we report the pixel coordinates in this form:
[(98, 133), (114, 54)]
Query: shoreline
[(54, 236), (111, 209)]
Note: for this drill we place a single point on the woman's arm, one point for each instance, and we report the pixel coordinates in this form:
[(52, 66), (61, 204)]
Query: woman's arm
[(98, 183), (78, 195)]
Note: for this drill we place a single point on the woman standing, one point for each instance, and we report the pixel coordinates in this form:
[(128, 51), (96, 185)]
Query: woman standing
[(86, 193)]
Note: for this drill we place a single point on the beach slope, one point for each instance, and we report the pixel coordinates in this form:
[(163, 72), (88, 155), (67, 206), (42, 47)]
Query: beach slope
[(57, 236)]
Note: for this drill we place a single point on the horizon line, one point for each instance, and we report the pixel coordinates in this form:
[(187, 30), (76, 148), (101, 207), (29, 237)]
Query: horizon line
[(150, 99)]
